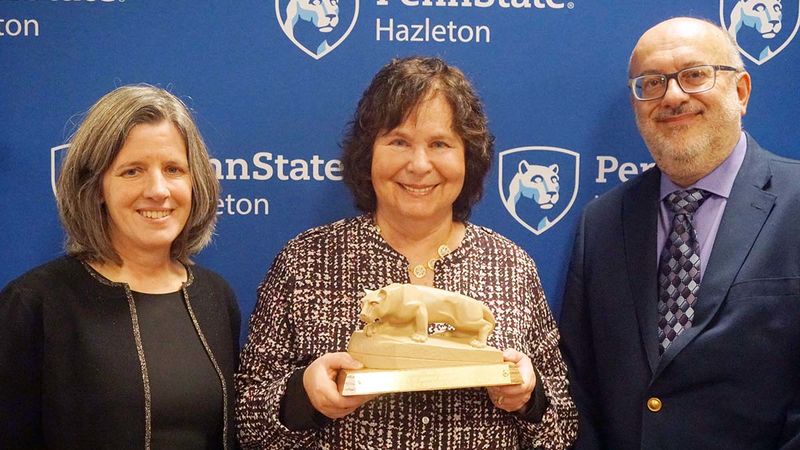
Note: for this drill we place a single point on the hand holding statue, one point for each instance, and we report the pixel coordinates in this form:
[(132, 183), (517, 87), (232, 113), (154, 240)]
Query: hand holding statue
[(515, 397), (319, 381)]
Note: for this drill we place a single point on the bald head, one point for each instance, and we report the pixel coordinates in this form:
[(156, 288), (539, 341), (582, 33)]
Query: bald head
[(690, 31)]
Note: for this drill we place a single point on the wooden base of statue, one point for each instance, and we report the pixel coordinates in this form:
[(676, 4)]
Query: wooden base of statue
[(398, 364), (377, 381)]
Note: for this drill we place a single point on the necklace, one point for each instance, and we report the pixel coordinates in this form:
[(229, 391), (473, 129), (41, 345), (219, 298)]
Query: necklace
[(420, 270)]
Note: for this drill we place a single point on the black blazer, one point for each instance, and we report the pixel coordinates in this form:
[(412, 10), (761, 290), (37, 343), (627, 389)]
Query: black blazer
[(70, 375), (731, 381)]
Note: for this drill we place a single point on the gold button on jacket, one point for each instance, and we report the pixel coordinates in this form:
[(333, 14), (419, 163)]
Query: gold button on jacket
[(654, 404)]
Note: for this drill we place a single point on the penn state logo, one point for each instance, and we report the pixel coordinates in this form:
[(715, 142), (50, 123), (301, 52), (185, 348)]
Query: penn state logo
[(57, 154), (538, 185), (316, 26), (761, 28)]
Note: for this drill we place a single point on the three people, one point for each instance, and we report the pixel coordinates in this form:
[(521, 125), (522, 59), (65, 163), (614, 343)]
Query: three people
[(124, 343), (415, 158), (680, 314)]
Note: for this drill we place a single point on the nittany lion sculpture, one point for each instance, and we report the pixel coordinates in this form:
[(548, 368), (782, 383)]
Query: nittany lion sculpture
[(399, 305)]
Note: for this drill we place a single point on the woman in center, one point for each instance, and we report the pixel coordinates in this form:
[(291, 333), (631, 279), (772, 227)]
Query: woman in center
[(415, 158)]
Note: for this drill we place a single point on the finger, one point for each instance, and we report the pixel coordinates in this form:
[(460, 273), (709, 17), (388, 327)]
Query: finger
[(512, 355), (512, 392), (495, 393), (510, 404), (525, 366), (342, 406), (519, 398), (343, 360), (337, 413), (336, 400), (333, 410), (365, 398), (496, 398), (352, 402)]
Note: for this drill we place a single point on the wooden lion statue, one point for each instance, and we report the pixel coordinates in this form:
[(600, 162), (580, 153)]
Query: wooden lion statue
[(403, 306)]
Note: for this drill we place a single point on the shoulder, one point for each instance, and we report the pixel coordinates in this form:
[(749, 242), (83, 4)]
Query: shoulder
[(609, 202), (65, 270), (208, 277), (59, 279), (762, 153), (782, 172), (488, 242), (207, 280), (485, 236), (326, 238), (783, 166), (315, 249), (786, 171), (783, 183)]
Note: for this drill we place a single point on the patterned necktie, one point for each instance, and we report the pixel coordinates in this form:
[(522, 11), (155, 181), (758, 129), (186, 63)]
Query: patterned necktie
[(679, 268)]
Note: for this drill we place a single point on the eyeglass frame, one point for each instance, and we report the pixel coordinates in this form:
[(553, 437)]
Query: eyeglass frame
[(674, 76)]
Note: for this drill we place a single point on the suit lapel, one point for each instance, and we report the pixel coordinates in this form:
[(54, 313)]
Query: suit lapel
[(747, 209), (639, 221)]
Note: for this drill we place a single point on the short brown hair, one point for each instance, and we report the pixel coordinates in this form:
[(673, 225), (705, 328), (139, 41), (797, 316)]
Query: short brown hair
[(96, 144), (393, 94)]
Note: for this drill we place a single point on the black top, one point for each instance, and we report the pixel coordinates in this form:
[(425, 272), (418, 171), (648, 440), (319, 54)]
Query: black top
[(71, 375), (179, 369)]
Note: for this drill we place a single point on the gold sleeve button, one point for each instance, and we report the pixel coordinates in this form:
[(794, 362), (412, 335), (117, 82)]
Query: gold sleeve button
[(654, 404)]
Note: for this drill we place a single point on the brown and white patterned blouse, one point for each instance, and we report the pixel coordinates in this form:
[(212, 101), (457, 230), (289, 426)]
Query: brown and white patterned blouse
[(308, 305)]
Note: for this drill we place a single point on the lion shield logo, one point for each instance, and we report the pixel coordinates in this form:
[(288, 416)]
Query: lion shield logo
[(761, 28), (538, 185), (316, 26)]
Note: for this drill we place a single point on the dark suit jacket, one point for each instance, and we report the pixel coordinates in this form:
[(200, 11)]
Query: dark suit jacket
[(732, 380)]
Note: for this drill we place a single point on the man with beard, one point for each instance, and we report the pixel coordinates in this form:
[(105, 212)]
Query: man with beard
[(682, 302)]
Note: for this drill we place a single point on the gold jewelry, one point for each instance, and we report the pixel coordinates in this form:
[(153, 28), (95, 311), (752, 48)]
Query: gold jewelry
[(419, 271)]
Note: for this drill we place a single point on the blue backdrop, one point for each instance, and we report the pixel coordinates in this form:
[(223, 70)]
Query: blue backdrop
[(272, 84)]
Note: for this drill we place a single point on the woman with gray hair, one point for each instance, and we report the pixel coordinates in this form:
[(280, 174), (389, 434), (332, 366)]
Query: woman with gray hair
[(123, 342)]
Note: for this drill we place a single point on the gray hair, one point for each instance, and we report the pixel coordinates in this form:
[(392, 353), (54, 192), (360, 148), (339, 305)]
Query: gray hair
[(93, 148)]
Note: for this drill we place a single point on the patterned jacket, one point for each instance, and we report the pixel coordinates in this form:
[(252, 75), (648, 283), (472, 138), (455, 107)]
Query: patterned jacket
[(308, 305)]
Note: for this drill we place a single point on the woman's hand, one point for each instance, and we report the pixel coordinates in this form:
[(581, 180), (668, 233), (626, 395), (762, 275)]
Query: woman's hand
[(514, 397), (319, 381)]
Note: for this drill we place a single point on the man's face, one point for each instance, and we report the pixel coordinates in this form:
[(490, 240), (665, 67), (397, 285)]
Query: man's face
[(689, 135)]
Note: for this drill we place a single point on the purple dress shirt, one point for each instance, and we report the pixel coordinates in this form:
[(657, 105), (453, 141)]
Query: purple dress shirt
[(707, 218)]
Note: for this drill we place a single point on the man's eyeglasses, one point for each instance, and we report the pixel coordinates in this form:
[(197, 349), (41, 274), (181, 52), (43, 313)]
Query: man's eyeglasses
[(691, 80)]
